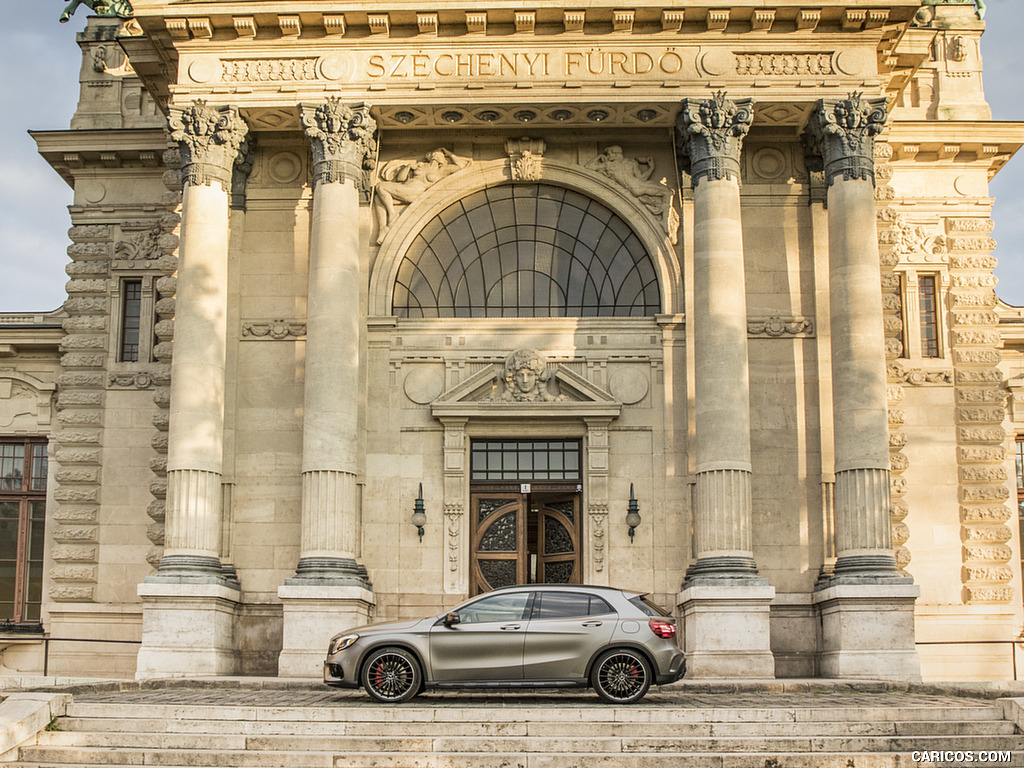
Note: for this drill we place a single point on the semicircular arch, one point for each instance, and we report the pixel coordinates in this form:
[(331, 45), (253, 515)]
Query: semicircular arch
[(481, 176)]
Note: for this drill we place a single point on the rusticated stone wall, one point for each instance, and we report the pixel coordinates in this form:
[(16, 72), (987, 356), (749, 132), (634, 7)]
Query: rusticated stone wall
[(75, 534), (164, 332), (980, 401)]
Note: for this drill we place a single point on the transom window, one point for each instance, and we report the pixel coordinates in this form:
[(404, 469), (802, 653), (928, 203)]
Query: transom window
[(525, 460), (23, 466), (526, 250)]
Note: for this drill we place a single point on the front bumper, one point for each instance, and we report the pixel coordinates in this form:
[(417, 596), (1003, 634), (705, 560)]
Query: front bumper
[(334, 675)]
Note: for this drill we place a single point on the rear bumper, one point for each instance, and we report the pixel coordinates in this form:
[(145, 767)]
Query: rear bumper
[(676, 670)]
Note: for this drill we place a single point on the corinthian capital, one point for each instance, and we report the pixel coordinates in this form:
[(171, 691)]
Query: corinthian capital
[(841, 132), (709, 133), (211, 139), (342, 139)]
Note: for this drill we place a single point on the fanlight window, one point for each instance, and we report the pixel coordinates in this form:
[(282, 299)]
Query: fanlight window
[(528, 250)]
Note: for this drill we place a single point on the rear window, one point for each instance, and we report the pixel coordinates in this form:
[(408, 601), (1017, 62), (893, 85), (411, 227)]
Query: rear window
[(648, 606)]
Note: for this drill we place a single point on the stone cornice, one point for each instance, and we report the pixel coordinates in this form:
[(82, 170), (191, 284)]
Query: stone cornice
[(961, 141), (252, 50), (130, 148)]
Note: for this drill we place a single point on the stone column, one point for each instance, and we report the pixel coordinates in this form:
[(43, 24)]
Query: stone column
[(866, 606), (330, 589), (188, 605), (725, 605)]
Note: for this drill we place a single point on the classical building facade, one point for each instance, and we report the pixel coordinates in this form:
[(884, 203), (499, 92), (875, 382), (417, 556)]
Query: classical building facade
[(524, 272)]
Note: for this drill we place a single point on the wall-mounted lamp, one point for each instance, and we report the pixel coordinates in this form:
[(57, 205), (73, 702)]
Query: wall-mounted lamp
[(419, 517), (632, 513)]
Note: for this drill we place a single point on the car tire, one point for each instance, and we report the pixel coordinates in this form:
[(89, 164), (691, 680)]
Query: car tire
[(391, 675), (621, 676)]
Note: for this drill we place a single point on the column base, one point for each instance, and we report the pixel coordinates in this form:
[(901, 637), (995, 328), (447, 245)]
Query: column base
[(330, 571), (867, 631), (188, 630), (727, 629), (313, 614), (194, 569), (723, 570)]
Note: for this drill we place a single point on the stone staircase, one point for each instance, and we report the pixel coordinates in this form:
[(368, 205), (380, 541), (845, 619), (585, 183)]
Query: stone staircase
[(856, 730)]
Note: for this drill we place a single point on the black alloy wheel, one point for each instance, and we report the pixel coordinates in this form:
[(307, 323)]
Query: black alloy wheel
[(621, 676), (392, 675)]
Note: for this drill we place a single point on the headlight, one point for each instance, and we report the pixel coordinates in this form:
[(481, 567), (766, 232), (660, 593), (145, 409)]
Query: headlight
[(341, 643)]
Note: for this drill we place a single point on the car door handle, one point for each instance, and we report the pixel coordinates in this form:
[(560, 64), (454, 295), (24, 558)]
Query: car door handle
[(592, 623), (511, 626)]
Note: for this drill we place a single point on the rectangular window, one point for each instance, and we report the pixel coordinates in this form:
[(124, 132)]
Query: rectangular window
[(23, 467), (928, 298), (901, 335), (526, 460), (131, 320)]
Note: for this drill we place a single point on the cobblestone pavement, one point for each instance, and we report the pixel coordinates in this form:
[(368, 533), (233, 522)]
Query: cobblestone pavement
[(665, 697)]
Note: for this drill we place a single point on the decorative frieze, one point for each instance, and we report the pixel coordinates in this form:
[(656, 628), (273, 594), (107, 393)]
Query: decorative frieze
[(268, 70), (785, 64)]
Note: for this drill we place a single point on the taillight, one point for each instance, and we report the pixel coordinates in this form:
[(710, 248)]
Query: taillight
[(662, 628)]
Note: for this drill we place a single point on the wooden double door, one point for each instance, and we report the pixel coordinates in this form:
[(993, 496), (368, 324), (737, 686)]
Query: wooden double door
[(524, 538)]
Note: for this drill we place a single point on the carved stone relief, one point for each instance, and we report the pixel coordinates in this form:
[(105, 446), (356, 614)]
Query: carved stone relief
[(524, 157), (400, 182), (525, 377), (272, 330), (634, 174), (778, 326), (912, 243)]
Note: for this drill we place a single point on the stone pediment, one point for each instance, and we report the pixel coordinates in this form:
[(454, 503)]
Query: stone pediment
[(485, 394)]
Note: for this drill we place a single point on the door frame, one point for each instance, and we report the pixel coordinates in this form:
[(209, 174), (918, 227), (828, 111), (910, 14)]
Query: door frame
[(526, 545)]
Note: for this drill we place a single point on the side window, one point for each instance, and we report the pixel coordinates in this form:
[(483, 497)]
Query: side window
[(509, 606), (134, 307), (23, 469), (131, 320), (569, 605)]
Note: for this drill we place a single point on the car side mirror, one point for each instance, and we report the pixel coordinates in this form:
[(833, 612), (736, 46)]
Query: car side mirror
[(451, 619)]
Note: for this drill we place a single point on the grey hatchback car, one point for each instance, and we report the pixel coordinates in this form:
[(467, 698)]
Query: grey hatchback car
[(549, 635)]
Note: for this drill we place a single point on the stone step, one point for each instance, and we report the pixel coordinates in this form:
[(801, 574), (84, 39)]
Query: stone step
[(97, 725), (558, 760), (512, 714), (169, 747)]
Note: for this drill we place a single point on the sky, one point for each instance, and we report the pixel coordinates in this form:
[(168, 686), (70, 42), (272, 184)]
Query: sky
[(40, 89)]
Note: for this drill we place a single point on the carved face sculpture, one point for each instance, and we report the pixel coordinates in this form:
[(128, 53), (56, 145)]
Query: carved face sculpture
[(436, 156), (614, 153), (847, 114), (524, 374)]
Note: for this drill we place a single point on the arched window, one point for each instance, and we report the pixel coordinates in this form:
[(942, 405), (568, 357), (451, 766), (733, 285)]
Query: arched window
[(526, 250)]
